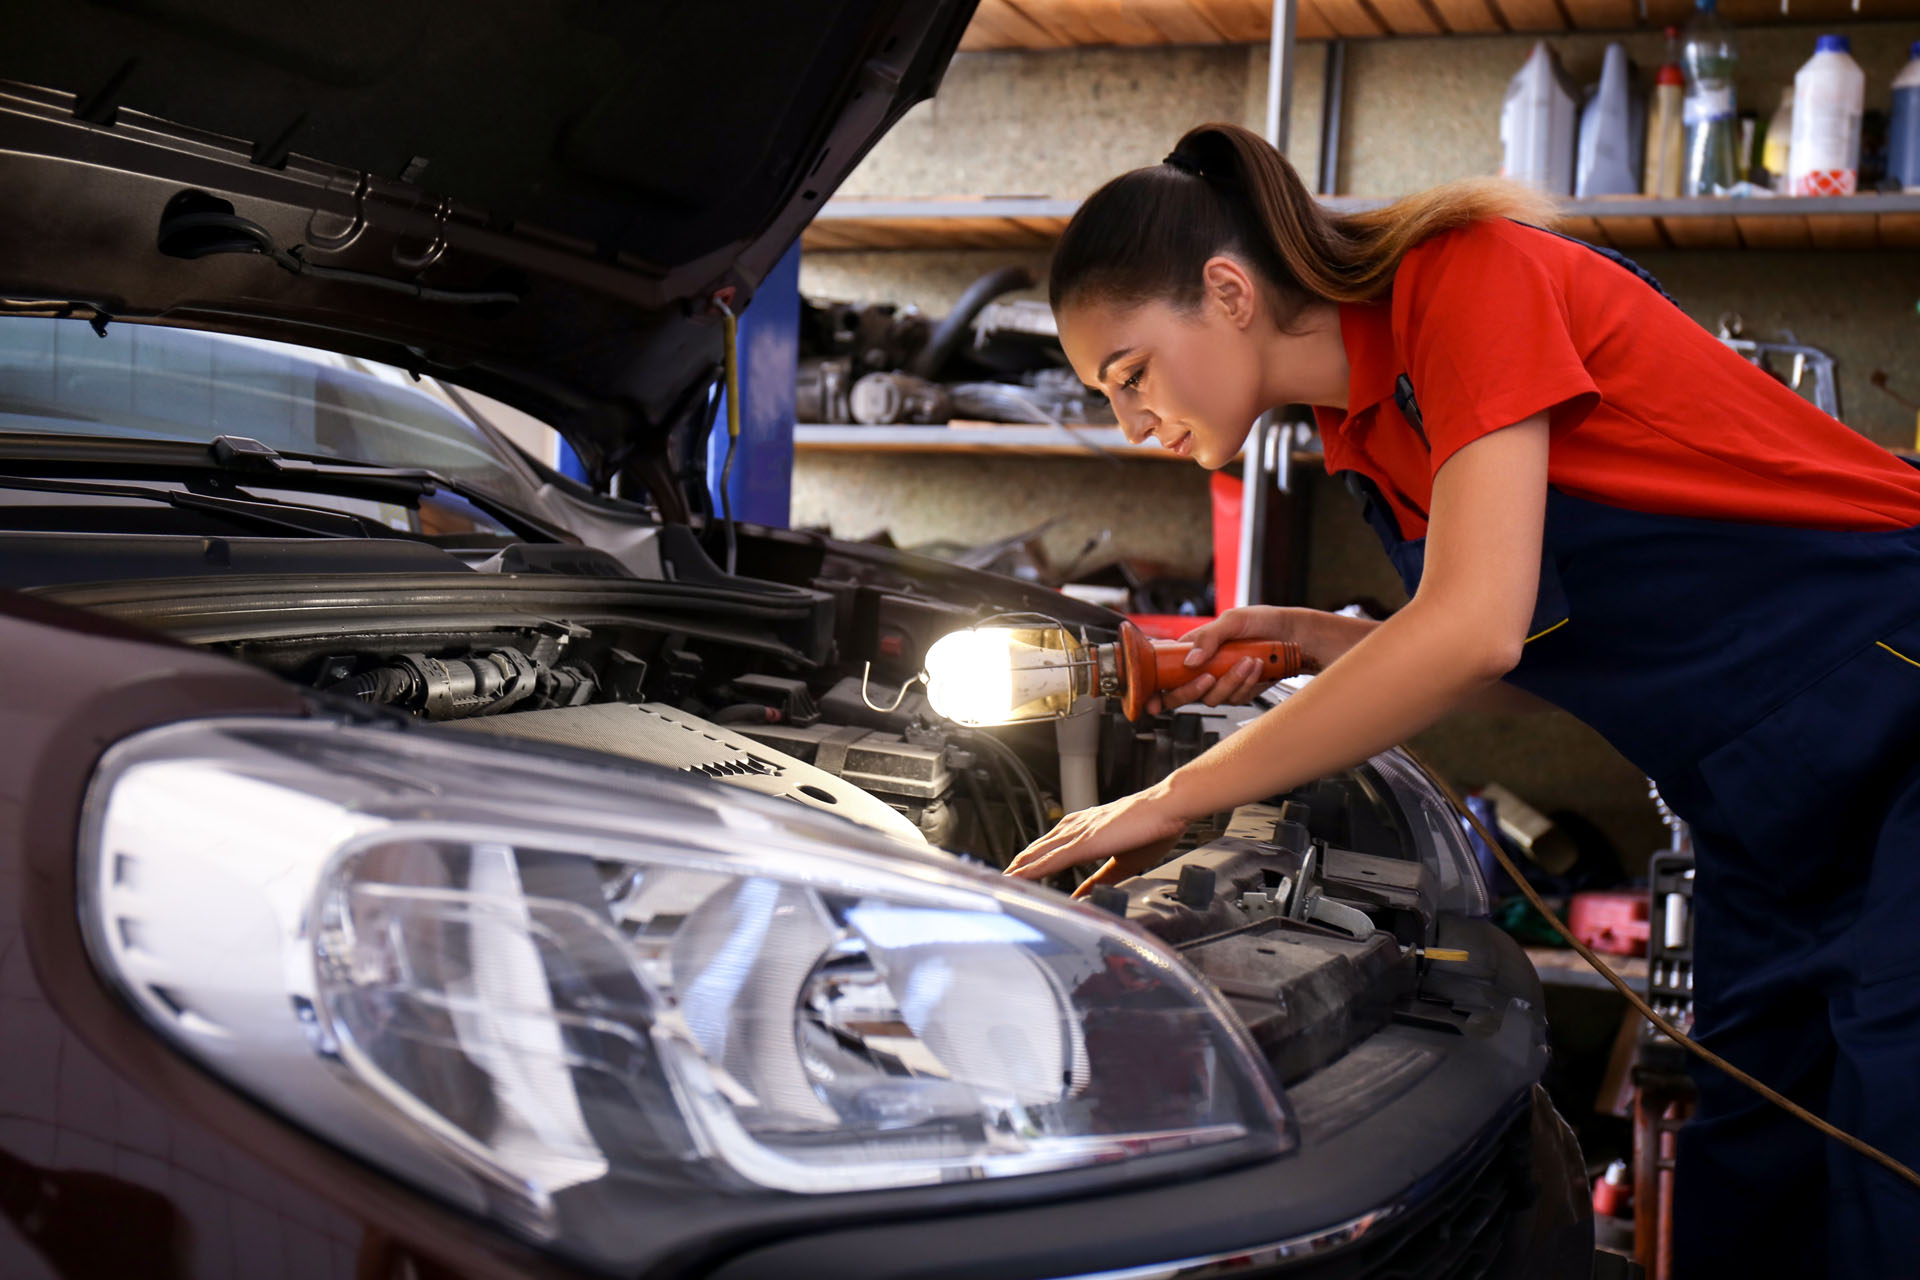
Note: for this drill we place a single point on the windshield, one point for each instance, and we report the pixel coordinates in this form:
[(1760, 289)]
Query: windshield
[(151, 383)]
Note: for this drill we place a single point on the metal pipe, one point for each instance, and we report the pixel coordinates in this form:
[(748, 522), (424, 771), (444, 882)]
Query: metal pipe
[(1332, 97), (1256, 490), (1280, 74)]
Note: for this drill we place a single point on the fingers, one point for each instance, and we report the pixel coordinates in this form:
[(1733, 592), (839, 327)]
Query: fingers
[(1180, 695), (1124, 866), (1105, 875), (1206, 640), (1237, 685), (1050, 852)]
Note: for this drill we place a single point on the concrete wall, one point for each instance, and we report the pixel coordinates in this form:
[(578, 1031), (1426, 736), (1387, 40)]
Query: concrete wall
[(1417, 112)]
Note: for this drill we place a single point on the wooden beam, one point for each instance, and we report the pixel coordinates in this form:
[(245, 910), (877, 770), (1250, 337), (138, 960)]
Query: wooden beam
[(1842, 230), (1592, 230), (1467, 17), (1349, 18), (1899, 230), (1406, 17), (1603, 15), (1629, 232), (1774, 231), (1531, 15), (1717, 232)]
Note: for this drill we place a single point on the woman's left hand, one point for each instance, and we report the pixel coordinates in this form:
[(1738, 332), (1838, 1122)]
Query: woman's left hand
[(1133, 833)]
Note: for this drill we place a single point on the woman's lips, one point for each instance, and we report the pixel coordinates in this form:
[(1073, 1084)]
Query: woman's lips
[(1183, 446)]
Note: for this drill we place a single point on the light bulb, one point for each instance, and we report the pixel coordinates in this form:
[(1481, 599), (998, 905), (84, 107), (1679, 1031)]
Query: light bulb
[(997, 675)]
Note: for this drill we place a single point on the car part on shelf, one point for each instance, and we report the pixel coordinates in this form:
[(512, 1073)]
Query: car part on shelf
[(822, 389), (946, 337), (883, 399)]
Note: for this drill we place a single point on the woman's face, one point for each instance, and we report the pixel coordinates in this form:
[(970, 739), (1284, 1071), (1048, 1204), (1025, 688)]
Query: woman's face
[(1193, 381)]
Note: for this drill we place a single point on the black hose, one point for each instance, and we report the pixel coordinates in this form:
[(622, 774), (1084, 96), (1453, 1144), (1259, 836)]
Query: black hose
[(1025, 775), (746, 713), (382, 685), (946, 336), (988, 834)]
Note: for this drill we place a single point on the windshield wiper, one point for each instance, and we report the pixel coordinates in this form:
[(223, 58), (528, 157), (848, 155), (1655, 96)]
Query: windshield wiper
[(273, 513), (237, 458)]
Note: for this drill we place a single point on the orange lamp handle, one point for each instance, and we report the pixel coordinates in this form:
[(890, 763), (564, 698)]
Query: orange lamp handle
[(1149, 666), (1278, 661)]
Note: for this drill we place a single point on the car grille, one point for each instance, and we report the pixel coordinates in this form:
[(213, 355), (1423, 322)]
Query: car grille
[(1454, 1231)]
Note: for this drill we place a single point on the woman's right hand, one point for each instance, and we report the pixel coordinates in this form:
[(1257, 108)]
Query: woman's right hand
[(1320, 635)]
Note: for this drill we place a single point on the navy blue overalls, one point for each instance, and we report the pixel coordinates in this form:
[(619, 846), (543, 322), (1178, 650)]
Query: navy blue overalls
[(1768, 680)]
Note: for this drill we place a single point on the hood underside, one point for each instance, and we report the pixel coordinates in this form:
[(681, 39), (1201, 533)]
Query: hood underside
[(544, 196)]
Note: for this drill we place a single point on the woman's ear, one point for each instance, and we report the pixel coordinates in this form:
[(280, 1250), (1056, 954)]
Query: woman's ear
[(1231, 288)]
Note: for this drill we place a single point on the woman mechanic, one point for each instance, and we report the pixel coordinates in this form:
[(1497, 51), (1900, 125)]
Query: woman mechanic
[(1592, 501)]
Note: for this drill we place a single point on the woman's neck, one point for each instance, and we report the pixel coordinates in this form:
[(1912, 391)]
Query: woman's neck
[(1307, 362)]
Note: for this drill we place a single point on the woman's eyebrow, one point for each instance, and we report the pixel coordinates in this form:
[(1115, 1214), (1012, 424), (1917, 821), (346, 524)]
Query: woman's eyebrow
[(1101, 376)]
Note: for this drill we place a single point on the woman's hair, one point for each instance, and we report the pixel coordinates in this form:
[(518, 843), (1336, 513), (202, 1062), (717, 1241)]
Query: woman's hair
[(1146, 235)]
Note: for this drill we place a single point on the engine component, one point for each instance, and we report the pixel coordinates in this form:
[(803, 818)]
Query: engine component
[(660, 735), (452, 688), (1256, 911), (882, 399), (914, 778)]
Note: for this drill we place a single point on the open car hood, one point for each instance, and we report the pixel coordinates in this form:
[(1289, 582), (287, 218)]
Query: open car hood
[(545, 196)]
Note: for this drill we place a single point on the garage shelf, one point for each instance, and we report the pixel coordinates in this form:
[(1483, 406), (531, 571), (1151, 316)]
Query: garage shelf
[(1066, 24), (1624, 222), (1022, 439)]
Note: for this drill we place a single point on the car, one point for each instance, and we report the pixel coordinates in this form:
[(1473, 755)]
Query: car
[(414, 862)]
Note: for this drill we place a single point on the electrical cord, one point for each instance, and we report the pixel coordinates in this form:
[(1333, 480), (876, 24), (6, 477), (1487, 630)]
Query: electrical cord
[(1678, 1036)]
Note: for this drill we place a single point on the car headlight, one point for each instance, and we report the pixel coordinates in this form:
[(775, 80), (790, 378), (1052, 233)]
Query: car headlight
[(510, 978)]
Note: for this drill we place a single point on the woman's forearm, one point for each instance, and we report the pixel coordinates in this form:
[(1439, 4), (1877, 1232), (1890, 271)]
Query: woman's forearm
[(1392, 680), (1332, 635)]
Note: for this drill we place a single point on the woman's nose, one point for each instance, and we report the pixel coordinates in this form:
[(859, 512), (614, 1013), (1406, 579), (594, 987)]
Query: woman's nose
[(1137, 425)]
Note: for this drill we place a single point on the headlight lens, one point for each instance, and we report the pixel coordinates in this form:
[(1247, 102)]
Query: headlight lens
[(508, 977)]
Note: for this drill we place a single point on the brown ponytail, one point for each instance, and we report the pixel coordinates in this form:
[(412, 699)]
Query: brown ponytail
[(1224, 190)]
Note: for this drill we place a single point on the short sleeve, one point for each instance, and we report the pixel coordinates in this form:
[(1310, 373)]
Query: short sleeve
[(1487, 336)]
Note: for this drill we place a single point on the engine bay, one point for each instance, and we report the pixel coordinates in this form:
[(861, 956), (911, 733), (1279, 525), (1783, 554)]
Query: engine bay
[(1312, 913)]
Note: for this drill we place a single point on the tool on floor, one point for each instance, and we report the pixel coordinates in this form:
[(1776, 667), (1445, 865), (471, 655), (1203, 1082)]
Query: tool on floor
[(1019, 667), (1646, 1011)]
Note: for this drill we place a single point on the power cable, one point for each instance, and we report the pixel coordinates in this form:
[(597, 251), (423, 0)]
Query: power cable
[(1667, 1028)]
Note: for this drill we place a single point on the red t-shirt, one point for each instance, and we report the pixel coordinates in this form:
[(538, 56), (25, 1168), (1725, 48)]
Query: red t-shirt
[(1496, 322)]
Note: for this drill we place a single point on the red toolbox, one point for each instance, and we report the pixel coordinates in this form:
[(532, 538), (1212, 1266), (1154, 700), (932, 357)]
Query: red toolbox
[(1613, 921)]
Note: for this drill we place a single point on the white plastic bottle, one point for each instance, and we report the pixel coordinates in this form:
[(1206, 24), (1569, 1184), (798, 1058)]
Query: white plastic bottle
[(1903, 125), (1829, 94), (1612, 132), (1537, 124)]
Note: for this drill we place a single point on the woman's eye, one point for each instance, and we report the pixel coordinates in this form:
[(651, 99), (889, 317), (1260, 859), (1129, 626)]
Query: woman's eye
[(1133, 379)]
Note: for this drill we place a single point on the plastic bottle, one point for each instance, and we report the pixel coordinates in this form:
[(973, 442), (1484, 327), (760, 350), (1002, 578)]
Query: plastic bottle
[(1612, 131), (1708, 57), (1779, 142), (1828, 95), (1666, 138), (1537, 124), (1903, 128)]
